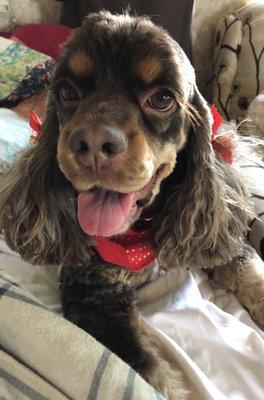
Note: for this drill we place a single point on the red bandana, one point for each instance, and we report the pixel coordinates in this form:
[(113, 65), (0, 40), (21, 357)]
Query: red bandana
[(132, 250), (35, 124), (223, 144)]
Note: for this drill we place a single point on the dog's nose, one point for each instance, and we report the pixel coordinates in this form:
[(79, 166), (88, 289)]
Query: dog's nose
[(95, 146)]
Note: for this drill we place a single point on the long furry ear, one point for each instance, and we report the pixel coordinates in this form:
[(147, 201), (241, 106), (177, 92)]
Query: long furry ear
[(206, 213), (37, 204)]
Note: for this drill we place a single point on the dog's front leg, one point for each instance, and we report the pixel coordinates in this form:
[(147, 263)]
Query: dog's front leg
[(245, 277), (105, 309)]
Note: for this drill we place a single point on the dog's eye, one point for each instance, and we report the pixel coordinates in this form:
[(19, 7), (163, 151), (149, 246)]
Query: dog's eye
[(68, 93), (161, 100)]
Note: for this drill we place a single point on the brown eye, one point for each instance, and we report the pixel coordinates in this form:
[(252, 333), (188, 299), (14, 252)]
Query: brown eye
[(68, 93), (161, 100)]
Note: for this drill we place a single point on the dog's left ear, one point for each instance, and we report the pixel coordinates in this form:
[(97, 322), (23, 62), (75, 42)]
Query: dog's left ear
[(207, 211), (37, 204)]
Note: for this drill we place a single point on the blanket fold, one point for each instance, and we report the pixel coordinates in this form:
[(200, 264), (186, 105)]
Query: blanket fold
[(44, 357)]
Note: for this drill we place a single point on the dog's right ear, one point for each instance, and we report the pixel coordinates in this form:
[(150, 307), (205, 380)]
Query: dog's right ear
[(37, 204), (206, 214)]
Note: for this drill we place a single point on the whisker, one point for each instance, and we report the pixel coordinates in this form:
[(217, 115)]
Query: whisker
[(191, 111)]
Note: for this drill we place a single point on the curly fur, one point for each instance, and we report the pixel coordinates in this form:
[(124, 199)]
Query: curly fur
[(38, 210), (207, 211)]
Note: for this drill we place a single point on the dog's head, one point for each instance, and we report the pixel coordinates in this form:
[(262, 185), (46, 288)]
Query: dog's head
[(121, 92), (120, 109)]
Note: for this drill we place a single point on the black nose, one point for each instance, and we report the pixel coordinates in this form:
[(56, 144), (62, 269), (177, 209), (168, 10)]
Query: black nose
[(95, 146)]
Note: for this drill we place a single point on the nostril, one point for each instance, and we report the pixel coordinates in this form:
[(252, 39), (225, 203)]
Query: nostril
[(77, 143), (108, 148), (83, 147)]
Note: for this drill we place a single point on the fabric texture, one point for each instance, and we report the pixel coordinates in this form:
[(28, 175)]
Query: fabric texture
[(132, 250), (200, 327), (44, 38), (52, 359), (208, 333), (24, 72), (15, 132), (238, 61), (14, 136), (206, 16)]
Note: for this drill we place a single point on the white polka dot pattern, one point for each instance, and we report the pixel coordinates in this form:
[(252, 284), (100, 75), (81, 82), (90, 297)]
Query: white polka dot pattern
[(130, 251)]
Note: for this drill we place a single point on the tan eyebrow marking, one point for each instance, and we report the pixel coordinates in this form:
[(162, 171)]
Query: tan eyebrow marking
[(81, 64), (149, 69)]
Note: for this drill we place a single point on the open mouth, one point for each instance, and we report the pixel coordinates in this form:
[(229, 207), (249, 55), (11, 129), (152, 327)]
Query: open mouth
[(103, 212)]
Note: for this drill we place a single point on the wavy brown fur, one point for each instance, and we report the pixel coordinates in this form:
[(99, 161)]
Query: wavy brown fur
[(208, 211), (37, 205)]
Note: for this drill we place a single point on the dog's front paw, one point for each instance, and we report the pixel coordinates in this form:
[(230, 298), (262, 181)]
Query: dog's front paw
[(255, 304), (252, 297), (245, 277), (168, 381)]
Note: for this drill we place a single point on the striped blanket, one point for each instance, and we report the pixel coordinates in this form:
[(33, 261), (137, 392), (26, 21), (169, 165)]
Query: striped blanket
[(44, 357)]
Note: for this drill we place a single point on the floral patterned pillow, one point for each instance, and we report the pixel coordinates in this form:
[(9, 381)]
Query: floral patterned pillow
[(23, 72), (238, 61)]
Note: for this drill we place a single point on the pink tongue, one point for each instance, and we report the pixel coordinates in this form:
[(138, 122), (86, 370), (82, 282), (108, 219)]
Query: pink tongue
[(102, 213)]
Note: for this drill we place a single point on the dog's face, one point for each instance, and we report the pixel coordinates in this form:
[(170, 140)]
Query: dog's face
[(122, 89)]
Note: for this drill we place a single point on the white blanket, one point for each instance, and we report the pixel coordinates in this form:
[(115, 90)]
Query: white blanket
[(201, 327)]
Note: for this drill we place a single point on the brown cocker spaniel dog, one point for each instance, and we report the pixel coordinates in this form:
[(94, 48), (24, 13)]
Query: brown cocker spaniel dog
[(126, 129)]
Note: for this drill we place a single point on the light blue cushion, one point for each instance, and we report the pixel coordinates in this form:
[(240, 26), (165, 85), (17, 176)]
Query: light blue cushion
[(15, 133)]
